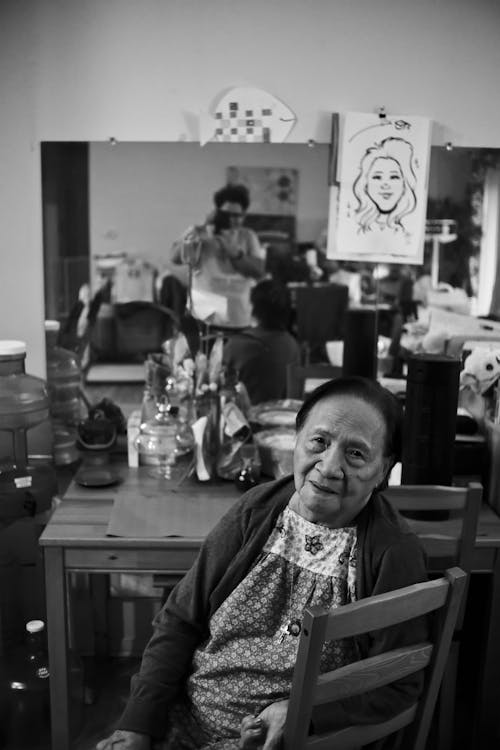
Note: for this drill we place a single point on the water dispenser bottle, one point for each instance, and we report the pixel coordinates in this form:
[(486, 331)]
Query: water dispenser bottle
[(26, 489)]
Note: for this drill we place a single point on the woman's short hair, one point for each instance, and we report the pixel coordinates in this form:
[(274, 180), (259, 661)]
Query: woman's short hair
[(372, 393), (233, 194), (271, 305)]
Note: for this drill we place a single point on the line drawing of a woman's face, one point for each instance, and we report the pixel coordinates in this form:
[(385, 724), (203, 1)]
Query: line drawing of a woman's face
[(385, 187), (385, 184)]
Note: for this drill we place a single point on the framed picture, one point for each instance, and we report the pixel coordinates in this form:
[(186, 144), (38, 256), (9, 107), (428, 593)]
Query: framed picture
[(273, 190)]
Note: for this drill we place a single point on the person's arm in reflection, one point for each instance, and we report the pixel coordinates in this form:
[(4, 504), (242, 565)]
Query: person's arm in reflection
[(187, 249), (243, 250)]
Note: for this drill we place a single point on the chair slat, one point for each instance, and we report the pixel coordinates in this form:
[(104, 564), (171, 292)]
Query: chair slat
[(440, 547), (369, 674), (352, 738), (398, 606), (427, 497)]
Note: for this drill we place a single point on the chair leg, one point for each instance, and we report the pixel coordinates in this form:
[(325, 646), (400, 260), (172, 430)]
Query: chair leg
[(446, 700)]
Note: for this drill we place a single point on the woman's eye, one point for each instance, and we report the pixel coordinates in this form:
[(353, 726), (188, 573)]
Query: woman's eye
[(317, 441), (355, 454)]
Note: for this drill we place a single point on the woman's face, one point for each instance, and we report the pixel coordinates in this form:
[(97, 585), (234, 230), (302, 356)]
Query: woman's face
[(236, 213), (338, 460), (385, 184)]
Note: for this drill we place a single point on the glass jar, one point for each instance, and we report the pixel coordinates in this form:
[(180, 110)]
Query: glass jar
[(157, 440)]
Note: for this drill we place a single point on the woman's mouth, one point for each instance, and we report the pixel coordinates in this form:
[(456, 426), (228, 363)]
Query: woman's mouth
[(323, 488)]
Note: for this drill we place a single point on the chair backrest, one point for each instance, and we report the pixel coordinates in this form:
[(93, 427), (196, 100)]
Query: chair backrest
[(142, 327), (301, 379), (440, 597), (444, 518), (320, 313)]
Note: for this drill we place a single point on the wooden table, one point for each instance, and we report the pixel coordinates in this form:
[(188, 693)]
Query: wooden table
[(75, 540)]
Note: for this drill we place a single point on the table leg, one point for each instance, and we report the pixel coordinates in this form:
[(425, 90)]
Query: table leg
[(487, 729), (57, 636), (99, 592)]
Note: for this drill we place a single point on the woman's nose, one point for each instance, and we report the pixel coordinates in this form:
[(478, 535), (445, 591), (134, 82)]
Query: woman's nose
[(331, 462)]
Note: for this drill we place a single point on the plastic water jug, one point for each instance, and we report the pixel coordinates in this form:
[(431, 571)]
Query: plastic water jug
[(25, 489)]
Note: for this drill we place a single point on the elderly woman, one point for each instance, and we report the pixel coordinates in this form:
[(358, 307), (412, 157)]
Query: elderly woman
[(217, 671)]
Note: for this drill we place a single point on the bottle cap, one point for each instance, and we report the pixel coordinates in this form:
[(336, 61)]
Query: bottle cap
[(8, 347), (52, 325), (35, 626)]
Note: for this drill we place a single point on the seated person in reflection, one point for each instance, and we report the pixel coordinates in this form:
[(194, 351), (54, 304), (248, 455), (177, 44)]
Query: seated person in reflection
[(260, 354), (228, 257), (218, 669)]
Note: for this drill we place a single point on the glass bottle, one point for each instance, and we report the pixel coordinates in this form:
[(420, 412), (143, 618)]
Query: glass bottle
[(63, 383), (28, 699), (157, 440), (149, 397)]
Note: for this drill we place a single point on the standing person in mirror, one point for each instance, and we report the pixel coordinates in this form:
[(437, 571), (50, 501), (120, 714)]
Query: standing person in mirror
[(260, 354), (217, 672), (229, 258)]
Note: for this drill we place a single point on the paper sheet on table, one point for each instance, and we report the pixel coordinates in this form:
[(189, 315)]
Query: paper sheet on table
[(177, 513)]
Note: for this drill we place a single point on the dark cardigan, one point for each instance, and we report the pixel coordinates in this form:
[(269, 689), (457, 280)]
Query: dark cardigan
[(389, 557)]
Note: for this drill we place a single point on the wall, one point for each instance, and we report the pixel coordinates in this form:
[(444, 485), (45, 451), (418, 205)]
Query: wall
[(143, 196), (75, 70)]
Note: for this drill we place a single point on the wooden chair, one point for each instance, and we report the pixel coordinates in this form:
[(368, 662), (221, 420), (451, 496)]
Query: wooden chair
[(301, 379), (452, 543), (441, 597)]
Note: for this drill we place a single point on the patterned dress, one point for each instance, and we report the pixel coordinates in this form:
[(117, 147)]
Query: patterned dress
[(248, 660)]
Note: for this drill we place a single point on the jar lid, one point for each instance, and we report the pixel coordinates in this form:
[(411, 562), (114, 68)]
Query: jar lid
[(8, 347), (52, 325), (35, 626)]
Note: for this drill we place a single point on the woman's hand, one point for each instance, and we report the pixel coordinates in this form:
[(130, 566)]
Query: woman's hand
[(123, 740), (265, 730)]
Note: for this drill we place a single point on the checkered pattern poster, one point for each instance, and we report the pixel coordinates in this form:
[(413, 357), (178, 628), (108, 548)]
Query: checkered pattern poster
[(247, 115)]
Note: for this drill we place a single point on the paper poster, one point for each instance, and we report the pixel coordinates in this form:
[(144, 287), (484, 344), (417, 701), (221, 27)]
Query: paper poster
[(379, 214), (247, 115)]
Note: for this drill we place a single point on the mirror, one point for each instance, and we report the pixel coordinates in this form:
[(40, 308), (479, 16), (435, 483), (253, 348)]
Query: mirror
[(101, 199)]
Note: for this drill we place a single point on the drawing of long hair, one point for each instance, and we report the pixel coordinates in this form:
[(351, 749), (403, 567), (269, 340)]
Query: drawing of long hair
[(367, 212)]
